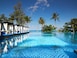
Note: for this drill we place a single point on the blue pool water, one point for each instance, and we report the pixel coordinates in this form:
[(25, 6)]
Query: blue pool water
[(39, 45)]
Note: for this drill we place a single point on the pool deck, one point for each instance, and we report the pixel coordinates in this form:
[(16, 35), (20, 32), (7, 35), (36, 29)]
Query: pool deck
[(8, 35)]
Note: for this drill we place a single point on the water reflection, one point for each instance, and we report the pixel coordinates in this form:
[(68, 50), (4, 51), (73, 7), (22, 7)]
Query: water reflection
[(68, 37), (71, 37), (48, 34), (7, 44), (74, 38), (5, 50)]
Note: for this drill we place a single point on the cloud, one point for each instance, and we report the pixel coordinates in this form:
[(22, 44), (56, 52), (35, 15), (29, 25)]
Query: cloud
[(38, 5), (44, 2), (34, 8)]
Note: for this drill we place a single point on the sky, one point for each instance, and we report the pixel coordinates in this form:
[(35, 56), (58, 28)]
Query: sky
[(67, 9)]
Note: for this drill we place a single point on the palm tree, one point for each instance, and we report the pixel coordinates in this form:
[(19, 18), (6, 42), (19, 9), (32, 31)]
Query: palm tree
[(73, 23), (55, 17), (11, 19), (41, 21), (27, 19), (18, 14), (3, 18)]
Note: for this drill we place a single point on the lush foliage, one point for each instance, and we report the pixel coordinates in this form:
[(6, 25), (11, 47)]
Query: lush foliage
[(17, 16), (3, 18), (72, 27), (41, 21), (27, 19), (55, 17), (48, 28)]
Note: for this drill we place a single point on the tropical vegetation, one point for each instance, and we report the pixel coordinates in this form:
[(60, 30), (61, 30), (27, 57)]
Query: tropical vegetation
[(3, 18), (46, 28), (19, 17), (49, 28), (71, 26), (16, 17), (41, 21), (27, 19), (55, 17)]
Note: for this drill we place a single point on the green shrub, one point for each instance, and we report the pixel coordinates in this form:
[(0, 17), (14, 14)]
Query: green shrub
[(48, 28)]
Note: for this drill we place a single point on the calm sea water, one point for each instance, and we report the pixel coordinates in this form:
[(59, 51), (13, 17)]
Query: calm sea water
[(39, 45)]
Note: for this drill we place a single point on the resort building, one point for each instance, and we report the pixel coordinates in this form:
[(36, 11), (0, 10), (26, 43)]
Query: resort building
[(71, 26), (10, 28)]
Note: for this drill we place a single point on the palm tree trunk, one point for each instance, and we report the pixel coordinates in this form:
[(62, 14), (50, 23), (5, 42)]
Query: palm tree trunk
[(42, 25), (73, 28), (55, 22)]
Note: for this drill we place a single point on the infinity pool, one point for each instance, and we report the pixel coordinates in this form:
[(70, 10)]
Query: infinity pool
[(39, 45)]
